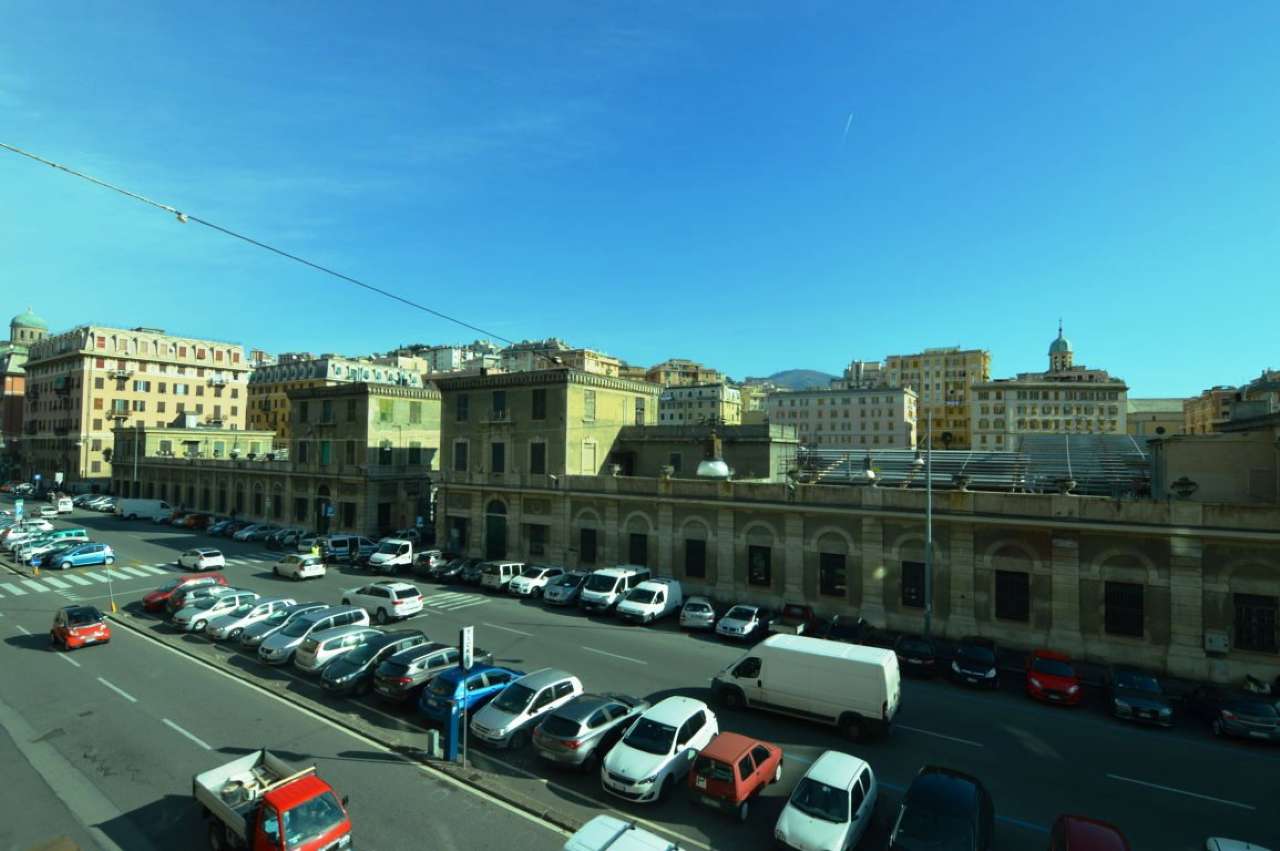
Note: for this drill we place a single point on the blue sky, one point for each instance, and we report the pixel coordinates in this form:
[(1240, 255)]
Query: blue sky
[(663, 179)]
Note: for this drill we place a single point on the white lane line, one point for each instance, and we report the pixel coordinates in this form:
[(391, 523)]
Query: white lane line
[(451, 595), (457, 606), (614, 655), (1181, 792), (154, 569), (968, 742), (97, 576), (13, 589), (22, 629), (118, 576), (508, 629), (79, 580), (64, 657), (177, 729), (56, 583), (133, 571), (33, 585), (118, 691)]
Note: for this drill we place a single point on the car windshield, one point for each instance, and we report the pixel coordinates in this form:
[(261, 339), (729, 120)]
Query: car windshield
[(1137, 682), (241, 610), (650, 736), (297, 628), (312, 819), (975, 655), (1053, 668), (533, 572), (1252, 707), (697, 608), (389, 548), (642, 595), (817, 799), (713, 769), (278, 616), (601, 582), (206, 602), (923, 828), (568, 581), (361, 654), (170, 585), (83, 617), (514, 699), (443, 686), (741, 613)]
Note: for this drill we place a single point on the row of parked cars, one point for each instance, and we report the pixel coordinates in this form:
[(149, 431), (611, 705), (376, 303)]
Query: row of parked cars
[(36, 543)]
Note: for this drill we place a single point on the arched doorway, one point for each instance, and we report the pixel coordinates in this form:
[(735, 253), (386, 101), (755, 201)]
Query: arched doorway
[(324, 510), (495, 530)]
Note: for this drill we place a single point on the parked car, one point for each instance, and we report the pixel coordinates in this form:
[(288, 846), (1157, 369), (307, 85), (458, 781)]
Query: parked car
[(497, 575), (609, 833), (385, 601), (974, 662), (196, 614), (283, 539), (698, 613), (916, 655), (605, 588), (471, 572), (82, 499), (532, 580), (401, 678), (849, 630), (658, 750), (173, 518), (202, 558), (651, 600), (744, 623), (444, 572), (156, 600), (245, 533), (1078, 833), (353, 671), (34, 551), (795, 619), (731, 770), (1052, 679), (317, 650), (564, 589), (85, 554), (255, 634), (297, 567), (47, 555), (832, 806), (197, 520), (508, 720), (278, 648), (944, 805), (348, 548), (48, 511), (229, 626), (184, 597), (472, 689), (582, 731), (1238, 714), (78, 626), (1136, 695), (427, 562)]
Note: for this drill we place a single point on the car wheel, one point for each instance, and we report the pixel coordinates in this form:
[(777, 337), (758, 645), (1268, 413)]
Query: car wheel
[(64, 565), (520, 739), (665, 792), (297, 577), (234, 635), (276, 571), (381, 617), (1217, 727), (109, 560), (198, 626), (744, 810)]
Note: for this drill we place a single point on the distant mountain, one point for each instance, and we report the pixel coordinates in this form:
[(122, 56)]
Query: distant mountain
[(802, 379)]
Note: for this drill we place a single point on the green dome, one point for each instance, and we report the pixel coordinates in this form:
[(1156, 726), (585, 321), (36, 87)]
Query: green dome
[(1060, 346), (29, 320)]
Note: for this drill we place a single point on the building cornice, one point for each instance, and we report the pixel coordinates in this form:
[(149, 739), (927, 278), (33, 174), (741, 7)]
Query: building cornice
[(545, 377), (363, 388)]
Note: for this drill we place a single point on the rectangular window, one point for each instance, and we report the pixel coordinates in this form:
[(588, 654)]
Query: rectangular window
[(913, 584), (589, 406), (415, 452), (537, 539), (538, 458), (324, 452), (462, 409), (386, 410), (695, 558), (1124, 615), (1013, 595), (326, 410), (539, 411), (499, 404), (832, 578), (759, 565), (139, 404), (638, 548), (460, 456), (676, 462), (497, 457), (97, 403), (302, 452), (386, 455), (350, 451), (639, 410), (351, 410), (415, 412), (1256, 623), (587, 546)]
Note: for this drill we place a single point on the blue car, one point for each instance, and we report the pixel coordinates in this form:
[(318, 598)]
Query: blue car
[(477, 687), (82, 554)]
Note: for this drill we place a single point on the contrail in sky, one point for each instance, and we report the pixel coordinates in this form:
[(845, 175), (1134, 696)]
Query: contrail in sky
[(847, 124)]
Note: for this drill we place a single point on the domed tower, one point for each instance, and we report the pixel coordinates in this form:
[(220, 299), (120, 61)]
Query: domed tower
[(1060, 352), (26, 328)]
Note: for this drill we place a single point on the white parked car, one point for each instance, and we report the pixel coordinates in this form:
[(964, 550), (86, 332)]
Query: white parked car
[(650, 600), (296, 566), (508, 719), (698, 613), (229, 626), (742, 623), (385, 601), (320, 649), (658, 750), (48, 511), (831, 807), (607, 833), (533, 580), (202, 558), (196, 616)]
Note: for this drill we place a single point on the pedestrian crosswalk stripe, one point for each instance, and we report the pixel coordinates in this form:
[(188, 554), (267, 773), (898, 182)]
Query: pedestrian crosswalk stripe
[(453, 595), (116, 575), (12, 589), (97, 576), (56, 583), (33, 585), (156, 570), (79, 580), (452, 607), (133, 571)]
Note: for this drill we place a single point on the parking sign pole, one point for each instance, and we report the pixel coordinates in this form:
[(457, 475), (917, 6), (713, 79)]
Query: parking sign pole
[(466, 649)]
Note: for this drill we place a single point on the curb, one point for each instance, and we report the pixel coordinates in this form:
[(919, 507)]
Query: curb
[(471, 777)]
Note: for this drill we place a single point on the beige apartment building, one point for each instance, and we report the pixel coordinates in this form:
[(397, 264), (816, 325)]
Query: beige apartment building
[(847, 417), (754, 399), (700, 403), (24, 329), (677, 372), (942, 379), (1148, 418), (83, 383), (1204, 413), (270, 386)]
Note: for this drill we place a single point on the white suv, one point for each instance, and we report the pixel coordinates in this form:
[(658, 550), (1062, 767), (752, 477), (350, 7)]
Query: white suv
[(533, 580), (658, 749), (385, 601)]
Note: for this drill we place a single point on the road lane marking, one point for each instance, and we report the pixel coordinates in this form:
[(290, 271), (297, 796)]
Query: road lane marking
[(508, 629), (192, 737), (118, 691), (615, 656), (33, 585), (118, 576), (133, 571), (97, 576), (1025, 825), (456, 607), (64, 657), (154, 569), (22, 629), (13, 589), (79, 580), (968, 742), (1181, 792), (56, 583)]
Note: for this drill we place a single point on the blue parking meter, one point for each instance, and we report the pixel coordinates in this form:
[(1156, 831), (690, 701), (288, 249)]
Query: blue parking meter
[(452, 732)]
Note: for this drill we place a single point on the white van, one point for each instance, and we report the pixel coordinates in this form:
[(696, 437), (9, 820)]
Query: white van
[(608, 833), (604, 588), (151, 509), (393, 555), (650, 600), (64, 505), (854, 687), (497, 575)]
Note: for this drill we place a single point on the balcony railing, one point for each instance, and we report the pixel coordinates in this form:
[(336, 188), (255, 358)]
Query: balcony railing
[(217, 380), (500, 416), (120, 374)]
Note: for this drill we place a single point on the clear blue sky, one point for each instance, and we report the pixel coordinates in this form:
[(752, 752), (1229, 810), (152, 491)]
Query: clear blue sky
[(663, 179)]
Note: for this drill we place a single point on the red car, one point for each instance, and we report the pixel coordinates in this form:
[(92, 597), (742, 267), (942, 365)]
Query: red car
[(731, 770), (1077, 833), (156, 600), (79, 626), (1052, 679)]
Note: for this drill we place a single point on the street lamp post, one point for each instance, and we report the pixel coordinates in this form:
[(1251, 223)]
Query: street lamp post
[(928, 525)]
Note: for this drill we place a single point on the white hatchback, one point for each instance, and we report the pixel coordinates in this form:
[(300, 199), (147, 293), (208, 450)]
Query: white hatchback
[(385, 601), (657, 751), (831, 807), (202, 558), (298, 567)]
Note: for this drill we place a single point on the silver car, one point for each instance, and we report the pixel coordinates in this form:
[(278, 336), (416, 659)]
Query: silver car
[(564, 590), (194, 617), (279, 648), (321, 648), (582, 731), (229, 626), (698, 613), (264, 629), (508, 719)]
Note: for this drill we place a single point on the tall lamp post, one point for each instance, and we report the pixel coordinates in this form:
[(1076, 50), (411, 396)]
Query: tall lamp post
[(927, 464)]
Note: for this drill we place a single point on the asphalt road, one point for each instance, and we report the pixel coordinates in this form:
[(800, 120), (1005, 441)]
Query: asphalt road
[(1168, 789)]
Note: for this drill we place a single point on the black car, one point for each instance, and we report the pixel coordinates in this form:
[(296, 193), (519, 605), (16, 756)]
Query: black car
[(401, 677), (916, 655), (847, 629), (470, 572), (1240, 714), (1135, 695), (352, 672), (974, 662), (944, 809)]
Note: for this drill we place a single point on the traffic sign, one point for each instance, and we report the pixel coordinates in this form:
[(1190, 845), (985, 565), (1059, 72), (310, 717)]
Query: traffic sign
[(466, 646), (17, 509)]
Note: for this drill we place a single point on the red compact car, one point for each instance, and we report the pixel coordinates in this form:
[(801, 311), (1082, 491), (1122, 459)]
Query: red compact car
[(156, 600), (79, 626), (731, 770), (1052, 679)]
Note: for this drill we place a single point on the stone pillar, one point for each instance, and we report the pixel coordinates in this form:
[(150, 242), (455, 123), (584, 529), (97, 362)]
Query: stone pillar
[(873, 571), (793, 552), (563, 512), (960, 568), (664, 563), (1064, 629), (515, 532), (476, 528), (724, 544), (1186, 656), (611, 534)]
